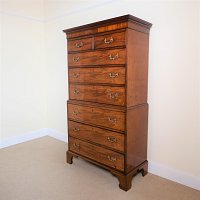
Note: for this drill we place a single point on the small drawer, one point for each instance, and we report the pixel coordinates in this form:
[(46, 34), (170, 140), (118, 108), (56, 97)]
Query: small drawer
[(109, 40), (97, 135), (109, 75), (99, 94), (97, 116), (99, 154), (110, 57), (80, 44)]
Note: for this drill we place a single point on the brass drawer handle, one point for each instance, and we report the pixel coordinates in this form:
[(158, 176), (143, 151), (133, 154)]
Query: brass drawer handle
[(112, 95), (75, 112), (108, 42), (77, 146), (76, 129), (112, 120), (75, 59), (111, 158), (76, 91), (112, 139), (78, 45), (111, 57), (113, 75), (76, 75)]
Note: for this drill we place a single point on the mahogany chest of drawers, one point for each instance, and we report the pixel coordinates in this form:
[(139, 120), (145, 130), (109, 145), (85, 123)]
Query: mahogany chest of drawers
[(107, 106)]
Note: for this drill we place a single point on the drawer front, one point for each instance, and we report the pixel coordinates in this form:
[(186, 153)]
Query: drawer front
[(109, 40), (79, 45), (97, 116), (97, 135), (111, 57), (109, 75), (99, 94), (99, 154)]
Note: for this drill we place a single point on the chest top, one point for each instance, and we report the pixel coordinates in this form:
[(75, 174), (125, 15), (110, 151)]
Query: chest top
[(122, 22)]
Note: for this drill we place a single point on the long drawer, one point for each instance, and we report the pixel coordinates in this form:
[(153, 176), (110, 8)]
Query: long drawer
[(99, 94), (99, 154), (110, 57), (109, 75), (97, 116), (97, 135)]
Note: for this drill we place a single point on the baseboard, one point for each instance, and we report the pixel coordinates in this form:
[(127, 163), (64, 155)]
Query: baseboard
[(174, 175), (154, 168), (23, 138), (33, 135)]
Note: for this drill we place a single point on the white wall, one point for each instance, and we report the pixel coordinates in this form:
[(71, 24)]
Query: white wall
[(23, 68), (56, 78), (173, 76)]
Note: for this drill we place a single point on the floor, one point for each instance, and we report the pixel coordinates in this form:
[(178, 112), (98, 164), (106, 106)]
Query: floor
[(36, 170)]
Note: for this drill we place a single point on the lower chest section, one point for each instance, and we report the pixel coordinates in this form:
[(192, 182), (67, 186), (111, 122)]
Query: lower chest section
[(97, 133)]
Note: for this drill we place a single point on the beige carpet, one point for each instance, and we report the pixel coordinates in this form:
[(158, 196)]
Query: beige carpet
[(36, 170)]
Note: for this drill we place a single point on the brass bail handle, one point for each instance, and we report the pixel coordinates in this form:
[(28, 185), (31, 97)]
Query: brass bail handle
[(111, 57), (112, 120), (76, 75), (76, 91), (76, 145), (75, 59), (78, 45), (111, 139), (113, 95), (111, 158), (75, 112), (76, 129), (113, 75), (109, 41)]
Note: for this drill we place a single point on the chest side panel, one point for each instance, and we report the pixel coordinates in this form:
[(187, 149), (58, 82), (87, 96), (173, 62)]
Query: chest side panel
[(137, 67)]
